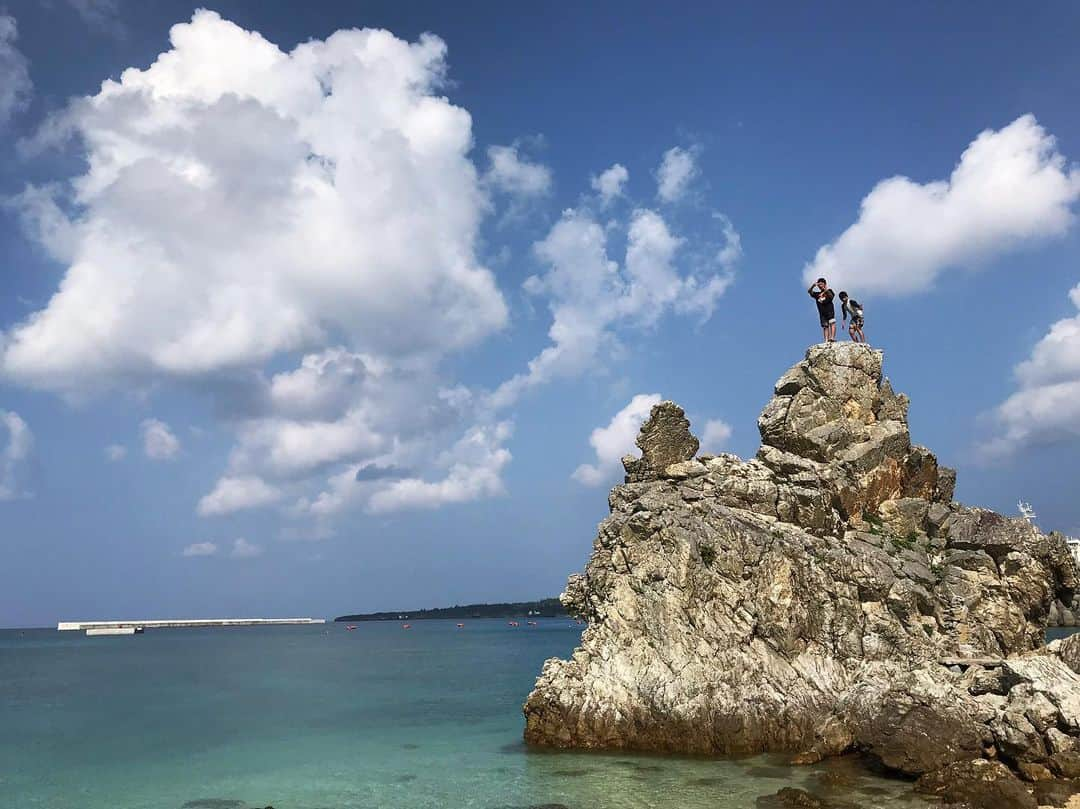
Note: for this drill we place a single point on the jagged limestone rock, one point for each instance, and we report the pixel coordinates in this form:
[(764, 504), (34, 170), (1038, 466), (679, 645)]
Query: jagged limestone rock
[(815, 599), (665, 440)]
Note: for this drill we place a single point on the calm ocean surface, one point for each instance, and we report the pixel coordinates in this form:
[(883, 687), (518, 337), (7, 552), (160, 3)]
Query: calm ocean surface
[(317, 717)]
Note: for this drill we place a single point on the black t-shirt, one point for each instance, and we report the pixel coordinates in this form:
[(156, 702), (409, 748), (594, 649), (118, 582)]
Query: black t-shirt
[(825, 306)]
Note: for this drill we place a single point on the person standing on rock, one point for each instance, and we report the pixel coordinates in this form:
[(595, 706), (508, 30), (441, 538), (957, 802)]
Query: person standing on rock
[(849, 307), (821, 293)]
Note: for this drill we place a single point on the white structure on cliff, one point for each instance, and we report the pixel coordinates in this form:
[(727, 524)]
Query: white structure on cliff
[(1074, 548), (1028, 513)]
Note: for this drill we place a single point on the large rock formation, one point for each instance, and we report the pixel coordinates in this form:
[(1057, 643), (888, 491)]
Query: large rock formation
[(826, 596)]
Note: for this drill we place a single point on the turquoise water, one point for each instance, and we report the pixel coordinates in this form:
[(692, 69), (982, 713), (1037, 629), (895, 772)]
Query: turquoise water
[(317, 717)]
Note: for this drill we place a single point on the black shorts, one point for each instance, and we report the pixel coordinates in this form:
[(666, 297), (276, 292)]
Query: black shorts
[(856, 322), (827, 321)]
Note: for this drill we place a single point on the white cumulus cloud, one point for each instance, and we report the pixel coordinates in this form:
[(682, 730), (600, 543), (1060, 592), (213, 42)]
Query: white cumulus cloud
[(235, 494), (513, 173), (1011, 187), (678, 168), (242, 206), (200, 549), (615, 440), (473, 466), (592, 297), (240, 202), (115, 452), (19, 442), (610, 183), (15, 85), (715, 436), (1046, 405), (159, 442), (295, 234)]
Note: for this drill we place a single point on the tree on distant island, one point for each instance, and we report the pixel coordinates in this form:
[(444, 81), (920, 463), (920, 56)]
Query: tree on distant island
[(544, 608)]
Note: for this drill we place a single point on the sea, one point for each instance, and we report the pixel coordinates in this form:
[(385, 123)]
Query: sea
[(321, 717)]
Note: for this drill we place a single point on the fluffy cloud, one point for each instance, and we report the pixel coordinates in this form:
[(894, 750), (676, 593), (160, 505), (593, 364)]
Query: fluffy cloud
[(241, 202), (1046, 407), (677, 168), (592, 297), (323, 384), (159, 442), (115, 452), (242, 549), (512, 173), (389, 438), (16, 450), (610, 183), (295, 234), (470, 469), (615, 440), (335, 408), (243, 206), (474, 466), (15, 83), (200, 549), (1010, 187), (715, 436), (235, 494)]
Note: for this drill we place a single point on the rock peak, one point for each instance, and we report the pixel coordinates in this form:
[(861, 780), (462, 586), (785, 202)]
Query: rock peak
[(804, 600), (664, 439)]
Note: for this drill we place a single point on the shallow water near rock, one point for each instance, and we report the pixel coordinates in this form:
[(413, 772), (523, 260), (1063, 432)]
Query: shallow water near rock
[(320, 718)]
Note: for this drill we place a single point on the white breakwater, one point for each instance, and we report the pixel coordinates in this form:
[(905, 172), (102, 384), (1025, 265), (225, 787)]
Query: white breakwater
[(170, 623)]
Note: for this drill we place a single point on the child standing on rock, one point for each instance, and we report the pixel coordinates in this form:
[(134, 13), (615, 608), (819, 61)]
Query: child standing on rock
[(851, 307), (821, 293)]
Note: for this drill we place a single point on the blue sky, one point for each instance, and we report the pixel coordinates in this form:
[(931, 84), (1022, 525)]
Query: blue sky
[(366, 323)]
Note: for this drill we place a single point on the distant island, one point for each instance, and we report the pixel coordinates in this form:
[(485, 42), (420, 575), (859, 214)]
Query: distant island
[(544, 608)]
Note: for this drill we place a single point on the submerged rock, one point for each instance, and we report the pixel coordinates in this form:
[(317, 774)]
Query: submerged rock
[(978, 783), (793, 798), (823, 597)]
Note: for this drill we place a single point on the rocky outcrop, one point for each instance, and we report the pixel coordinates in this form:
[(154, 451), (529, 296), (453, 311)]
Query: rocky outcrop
[(1064, 613), (826, 596)]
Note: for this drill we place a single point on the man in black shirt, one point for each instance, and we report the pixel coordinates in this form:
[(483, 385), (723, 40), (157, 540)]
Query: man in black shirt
[(821, 293), (851, 307)]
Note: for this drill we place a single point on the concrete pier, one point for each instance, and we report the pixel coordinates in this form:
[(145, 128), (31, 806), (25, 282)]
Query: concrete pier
[(171, 623), (108, 630)]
